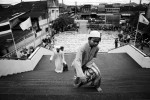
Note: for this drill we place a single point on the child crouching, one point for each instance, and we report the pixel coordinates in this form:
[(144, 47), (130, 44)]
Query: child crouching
[(86, 71)]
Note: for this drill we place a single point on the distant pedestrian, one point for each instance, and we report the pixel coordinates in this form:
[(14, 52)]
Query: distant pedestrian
[(142, 44), (86, 71), (44, 42), (128, 38), (116, 43)]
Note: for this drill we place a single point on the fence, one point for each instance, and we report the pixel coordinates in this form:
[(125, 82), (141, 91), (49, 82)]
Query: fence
[(26, 42)]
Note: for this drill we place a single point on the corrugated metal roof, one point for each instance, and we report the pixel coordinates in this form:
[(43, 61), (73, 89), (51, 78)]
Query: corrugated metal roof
[(33, 14), (37, 6)]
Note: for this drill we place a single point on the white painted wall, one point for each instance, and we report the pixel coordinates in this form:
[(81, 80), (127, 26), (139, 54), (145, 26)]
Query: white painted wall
[(136, 54), (53, 13), (14, 66), (17, 66)]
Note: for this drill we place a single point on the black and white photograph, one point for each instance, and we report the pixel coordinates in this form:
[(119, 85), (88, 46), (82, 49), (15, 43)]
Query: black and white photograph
[(74, 49)]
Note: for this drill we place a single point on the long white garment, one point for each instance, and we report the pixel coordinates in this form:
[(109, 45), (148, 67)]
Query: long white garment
[(58, 62)]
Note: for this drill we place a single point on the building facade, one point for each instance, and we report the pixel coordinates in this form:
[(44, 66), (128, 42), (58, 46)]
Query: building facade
[(53, 9)]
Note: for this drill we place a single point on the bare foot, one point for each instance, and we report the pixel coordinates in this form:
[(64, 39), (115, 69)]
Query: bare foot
[(77, 82)]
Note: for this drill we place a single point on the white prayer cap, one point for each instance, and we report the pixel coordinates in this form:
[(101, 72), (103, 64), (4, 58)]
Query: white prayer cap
[(95, 34)]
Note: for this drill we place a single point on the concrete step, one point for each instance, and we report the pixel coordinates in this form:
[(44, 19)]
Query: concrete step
[(122, 79)]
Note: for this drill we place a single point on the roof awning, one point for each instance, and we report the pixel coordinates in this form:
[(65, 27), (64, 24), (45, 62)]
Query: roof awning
[(126, 14), (34, 14)]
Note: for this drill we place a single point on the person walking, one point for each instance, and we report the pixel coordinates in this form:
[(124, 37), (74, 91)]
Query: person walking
[(86, 71), (58, 57)]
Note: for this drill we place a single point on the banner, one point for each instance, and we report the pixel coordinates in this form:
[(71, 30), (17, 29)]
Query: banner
[(26, 24), (143, 20)]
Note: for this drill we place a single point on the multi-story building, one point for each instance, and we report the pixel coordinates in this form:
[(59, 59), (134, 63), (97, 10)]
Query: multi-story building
[(42, 13), (53, 9), (112, 9), (86, 8)]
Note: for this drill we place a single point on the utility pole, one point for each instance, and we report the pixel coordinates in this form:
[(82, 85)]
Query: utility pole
[(62, 2), (48, 19), (140, 2), (148, 11), (140, 6), (130, 5), (75, 9), (63, 7), (137, 24)]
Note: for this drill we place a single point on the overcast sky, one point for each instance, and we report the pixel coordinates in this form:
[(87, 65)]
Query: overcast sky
[(72, 2)]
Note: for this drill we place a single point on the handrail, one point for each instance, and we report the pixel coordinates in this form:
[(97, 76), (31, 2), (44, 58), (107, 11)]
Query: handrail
[(12, 58), (35, 51), (145, 55), (116, 48), (15, 58), (18, 48)]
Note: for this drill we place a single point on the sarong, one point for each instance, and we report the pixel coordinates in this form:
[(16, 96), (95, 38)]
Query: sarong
[(92, 73)]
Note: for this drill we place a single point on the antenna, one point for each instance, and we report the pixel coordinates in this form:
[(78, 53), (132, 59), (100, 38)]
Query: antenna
[(140, 2)]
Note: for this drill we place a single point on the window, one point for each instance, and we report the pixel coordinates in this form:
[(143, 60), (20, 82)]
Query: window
[(52, 11)]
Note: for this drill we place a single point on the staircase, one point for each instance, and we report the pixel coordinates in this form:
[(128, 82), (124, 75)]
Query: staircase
[(122, 79)]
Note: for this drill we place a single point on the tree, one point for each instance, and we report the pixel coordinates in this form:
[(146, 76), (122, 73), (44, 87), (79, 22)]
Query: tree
[(62, 23)]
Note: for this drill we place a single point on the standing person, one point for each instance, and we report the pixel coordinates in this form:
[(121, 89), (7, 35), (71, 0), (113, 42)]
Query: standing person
[(53, 42), (58, 57), (65, 66), (142, 44), (116, 43), (48, 42), (44, 42), (85, 69), (128, 38)]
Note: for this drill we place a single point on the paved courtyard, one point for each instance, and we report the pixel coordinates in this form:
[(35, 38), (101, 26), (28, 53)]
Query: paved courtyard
[(73, 40)]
